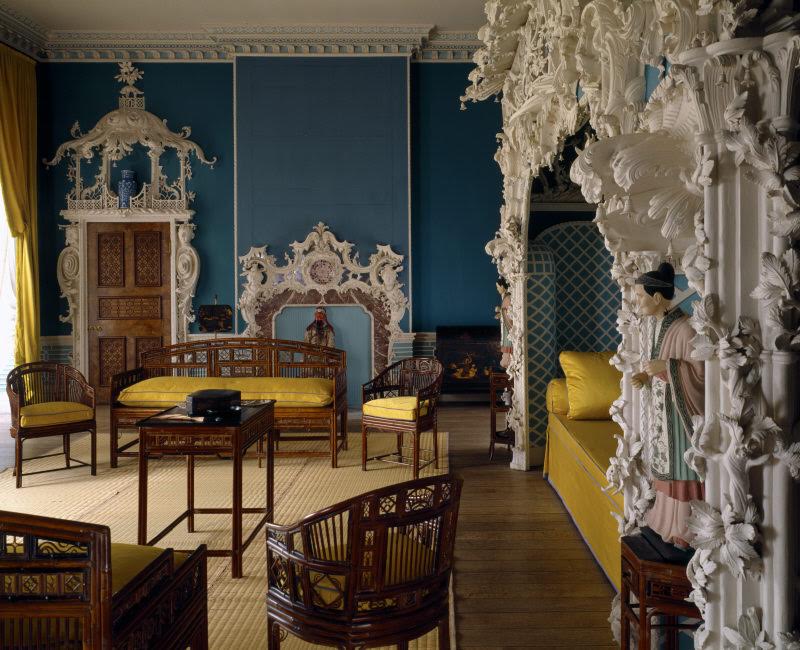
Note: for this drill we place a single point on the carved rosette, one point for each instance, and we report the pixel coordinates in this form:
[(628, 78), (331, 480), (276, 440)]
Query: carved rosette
[(187, 272), (708, 165), (323, 269), (68, 269)]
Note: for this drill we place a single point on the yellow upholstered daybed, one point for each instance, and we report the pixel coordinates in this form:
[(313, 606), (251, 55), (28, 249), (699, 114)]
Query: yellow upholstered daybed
[(577, 456)]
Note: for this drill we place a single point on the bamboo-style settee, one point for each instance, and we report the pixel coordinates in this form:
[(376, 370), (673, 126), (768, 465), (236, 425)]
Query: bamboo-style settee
[(308, 383), (64, 585)]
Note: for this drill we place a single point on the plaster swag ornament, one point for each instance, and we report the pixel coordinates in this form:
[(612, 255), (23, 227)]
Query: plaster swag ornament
[(68, 270), (321, 263)]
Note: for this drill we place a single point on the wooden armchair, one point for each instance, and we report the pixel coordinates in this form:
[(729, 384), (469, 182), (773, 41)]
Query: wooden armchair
[(64, 585), (370, 571), (50, 399), (403, 399)]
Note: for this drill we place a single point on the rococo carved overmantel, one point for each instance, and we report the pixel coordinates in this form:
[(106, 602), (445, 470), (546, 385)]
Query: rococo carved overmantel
[(160, 200), (324, 270), (702, 171)]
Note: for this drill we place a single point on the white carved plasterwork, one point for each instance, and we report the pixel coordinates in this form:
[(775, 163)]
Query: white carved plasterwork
[(705, 173), (68, 273), (322, 263), (187, 272)]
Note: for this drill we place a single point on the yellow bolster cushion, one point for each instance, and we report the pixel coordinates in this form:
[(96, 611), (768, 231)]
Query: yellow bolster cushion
[(128, 561), (557, 401), (48, 413), (163, 392), (395, 408), (592, 384)]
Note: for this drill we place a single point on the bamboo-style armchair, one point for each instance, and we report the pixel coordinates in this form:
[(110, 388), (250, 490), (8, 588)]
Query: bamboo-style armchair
[(371, 571), (50, 399), (403, 399), (65, 585)]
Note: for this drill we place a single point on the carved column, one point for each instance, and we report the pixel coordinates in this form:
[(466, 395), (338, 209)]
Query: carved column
[(68, 269), (187, 272), (509, 252)]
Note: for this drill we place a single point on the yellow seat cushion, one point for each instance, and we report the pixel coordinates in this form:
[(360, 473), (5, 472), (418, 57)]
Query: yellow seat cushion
[(576, 460), (128, 561), (592, 384), (556, 397), (48, 413), (163, 392), (395, 408)]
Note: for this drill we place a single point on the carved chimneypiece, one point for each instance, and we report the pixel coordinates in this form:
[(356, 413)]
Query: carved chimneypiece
[(324, 270)]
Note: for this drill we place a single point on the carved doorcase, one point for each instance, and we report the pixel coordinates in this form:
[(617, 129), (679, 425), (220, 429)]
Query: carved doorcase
[(160, 200)]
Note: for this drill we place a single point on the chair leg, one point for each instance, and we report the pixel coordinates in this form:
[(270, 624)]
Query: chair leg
[(444, 633), (344, 428), (65, 446), (273, 634), (113, 440), (417, 435), (334, 442), (435, 445), (93, 433), (402, 645), (18, 460), (400, 445), (363, 446)]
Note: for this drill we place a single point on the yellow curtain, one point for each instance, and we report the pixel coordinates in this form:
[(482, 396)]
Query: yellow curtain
[(18, 180)]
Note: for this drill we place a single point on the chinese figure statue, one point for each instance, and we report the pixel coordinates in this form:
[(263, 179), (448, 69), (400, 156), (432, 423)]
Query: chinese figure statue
[(675, 382), (320, 331), (503, 314)]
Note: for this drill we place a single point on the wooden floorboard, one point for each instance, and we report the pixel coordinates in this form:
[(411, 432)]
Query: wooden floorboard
[(523, 576)]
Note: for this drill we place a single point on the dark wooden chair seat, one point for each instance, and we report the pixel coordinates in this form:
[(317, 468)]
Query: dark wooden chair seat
[(50, 399), (64, 584), (403, 399), (371, 571), (654, 591)]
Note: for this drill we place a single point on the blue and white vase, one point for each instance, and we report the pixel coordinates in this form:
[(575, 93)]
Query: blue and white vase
[(126, 188)]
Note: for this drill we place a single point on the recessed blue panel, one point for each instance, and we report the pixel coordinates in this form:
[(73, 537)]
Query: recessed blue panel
[(353, 328), (322, 139)]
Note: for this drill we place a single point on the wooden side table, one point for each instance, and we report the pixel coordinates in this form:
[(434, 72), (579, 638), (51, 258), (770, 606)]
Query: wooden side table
[(499, 383), (654, 573), (172, 433)]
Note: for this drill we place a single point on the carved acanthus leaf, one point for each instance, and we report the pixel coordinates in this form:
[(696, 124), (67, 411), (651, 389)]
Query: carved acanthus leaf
[(779, 288), (749, 634)]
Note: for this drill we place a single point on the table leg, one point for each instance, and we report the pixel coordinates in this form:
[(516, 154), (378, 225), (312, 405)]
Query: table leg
[(236, 545), (190, 492), (142, 493), (270, 478)]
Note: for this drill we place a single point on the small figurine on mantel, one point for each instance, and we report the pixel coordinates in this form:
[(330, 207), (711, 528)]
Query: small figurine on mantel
[(320, 331), (503, 314), (676, 386)]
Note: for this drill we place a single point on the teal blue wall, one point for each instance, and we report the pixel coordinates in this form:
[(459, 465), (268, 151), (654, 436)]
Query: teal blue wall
[(353, 330), (455, 183), (456, 197)]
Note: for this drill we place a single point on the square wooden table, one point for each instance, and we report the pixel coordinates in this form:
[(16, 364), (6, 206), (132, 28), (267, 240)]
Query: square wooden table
[(173, 433)]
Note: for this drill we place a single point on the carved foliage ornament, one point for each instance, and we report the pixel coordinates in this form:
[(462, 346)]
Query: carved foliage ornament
[(322, 263)]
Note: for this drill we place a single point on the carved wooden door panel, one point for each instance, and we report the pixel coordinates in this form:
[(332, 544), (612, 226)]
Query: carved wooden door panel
[(128, 297)]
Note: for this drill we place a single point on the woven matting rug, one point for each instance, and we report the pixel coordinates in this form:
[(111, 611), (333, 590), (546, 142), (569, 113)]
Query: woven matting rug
[(237, 609)]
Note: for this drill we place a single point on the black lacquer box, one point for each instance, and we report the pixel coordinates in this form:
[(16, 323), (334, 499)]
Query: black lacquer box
[(215, 401)]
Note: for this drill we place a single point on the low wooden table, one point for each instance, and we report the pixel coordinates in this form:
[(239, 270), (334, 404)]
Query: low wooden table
[(169, 434)]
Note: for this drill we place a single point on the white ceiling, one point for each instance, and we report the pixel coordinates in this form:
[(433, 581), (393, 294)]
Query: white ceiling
[(195, 15)]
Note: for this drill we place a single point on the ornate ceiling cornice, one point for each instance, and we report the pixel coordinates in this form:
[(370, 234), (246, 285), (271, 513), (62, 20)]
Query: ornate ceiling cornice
[(215, 43)]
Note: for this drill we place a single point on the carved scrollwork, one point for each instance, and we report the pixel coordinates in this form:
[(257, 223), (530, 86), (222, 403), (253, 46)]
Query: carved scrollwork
[(187, 272), (321, 263), (68, 270)]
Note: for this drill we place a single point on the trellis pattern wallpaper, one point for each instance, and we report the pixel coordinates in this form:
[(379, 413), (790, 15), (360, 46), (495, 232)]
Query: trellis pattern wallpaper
[(572, 305)]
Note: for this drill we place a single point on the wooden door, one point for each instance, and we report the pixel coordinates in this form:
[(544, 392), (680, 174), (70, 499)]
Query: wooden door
[(128, 297)]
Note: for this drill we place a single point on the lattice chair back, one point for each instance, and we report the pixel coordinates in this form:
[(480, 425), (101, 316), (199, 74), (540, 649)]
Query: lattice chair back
[(43, 381), (382, 553), (407, 377)]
